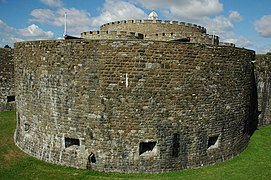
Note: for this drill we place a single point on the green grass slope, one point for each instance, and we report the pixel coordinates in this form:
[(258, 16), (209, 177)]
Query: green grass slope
[(253, 163)]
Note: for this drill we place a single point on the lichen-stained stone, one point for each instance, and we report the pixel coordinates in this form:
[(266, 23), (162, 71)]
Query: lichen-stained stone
[(7, 93), (133, 105), (263, 74), (155, 30)]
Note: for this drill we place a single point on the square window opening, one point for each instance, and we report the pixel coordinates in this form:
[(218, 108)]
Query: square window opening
[(146, 147), (71, 141), (213, 141), (10, 98)]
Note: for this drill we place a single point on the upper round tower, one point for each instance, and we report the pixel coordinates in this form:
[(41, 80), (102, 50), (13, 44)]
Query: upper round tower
[(152, 29)]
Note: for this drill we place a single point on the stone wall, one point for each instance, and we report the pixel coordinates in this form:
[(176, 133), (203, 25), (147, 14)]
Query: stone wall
[(263, 79), (152, 26), (7, 94), (133, 106), (111, 35), (154, 30)]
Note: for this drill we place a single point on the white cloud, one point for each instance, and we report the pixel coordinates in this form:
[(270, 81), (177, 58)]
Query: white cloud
[(10, 34), (118, 10), (218, 25), (223, 27), (263, 49), (5, 27), (183, 9), (263, 26), (235, 16), (77, 20), (34, 31), (80, 20), (53, 3), (239, 41), (44, 16)]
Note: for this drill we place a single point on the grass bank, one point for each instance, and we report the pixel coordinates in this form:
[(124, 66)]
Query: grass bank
[(253, 163)]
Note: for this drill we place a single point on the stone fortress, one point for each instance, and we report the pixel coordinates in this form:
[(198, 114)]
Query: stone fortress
[(152, 29), (7, 93), (132, 98)]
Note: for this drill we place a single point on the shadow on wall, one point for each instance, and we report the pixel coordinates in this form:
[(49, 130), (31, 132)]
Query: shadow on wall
[(252, 121)]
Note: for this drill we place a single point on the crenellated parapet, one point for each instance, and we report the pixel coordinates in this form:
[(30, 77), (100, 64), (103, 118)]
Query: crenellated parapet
[(226, 44), (195, 37), (156, 30), (152, 26), (111, 35)]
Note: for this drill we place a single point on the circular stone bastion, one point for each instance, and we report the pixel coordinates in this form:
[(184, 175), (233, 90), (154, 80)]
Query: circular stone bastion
[(133, 105)]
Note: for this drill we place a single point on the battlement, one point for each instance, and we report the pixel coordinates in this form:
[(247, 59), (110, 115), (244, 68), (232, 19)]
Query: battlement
[(159, 24), (111, 35), (195, 37), (226, 44), (152, 30)]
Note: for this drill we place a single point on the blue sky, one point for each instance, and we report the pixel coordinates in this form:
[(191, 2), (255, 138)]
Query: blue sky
[(247, 23)]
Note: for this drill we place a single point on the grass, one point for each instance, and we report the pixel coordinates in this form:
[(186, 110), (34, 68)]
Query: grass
[(253, 163)]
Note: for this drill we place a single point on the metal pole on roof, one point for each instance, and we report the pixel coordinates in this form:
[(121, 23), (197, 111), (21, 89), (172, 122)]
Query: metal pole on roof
[(65, 26)]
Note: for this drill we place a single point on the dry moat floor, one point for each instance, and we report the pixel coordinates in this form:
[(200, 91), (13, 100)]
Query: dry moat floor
[(253, 163)]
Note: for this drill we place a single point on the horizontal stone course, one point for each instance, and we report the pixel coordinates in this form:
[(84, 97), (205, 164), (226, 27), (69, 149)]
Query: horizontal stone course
[(152, 30), (262, 73), (115, 99), (7, 99)]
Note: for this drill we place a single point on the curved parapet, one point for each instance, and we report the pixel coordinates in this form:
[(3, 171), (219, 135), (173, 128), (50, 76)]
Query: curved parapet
[(152, 26), (152, 30), (195, 37), (111, 35), (133, 106)]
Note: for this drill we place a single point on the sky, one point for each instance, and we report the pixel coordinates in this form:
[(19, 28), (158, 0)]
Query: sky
[(246, 23)]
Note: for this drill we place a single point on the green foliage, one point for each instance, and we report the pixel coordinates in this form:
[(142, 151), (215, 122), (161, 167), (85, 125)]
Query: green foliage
[(253, 163)]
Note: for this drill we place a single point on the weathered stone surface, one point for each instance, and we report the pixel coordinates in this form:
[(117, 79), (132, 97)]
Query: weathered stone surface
[(263, 80), (133, 106), (7, 94), (152, 30)]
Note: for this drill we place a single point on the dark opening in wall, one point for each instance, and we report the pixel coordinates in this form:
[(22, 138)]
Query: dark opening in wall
[(10, 98), (26, 127), (213, 141), (140, 36), (146, 146), (71, 141), (176, 145), (92, 158)]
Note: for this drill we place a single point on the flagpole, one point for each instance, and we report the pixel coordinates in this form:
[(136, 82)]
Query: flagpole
[(65, 25)]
